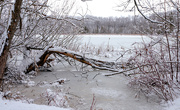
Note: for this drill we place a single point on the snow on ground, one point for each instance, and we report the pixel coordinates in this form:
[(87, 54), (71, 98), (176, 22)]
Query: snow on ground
[(175, 105), (17, 105)]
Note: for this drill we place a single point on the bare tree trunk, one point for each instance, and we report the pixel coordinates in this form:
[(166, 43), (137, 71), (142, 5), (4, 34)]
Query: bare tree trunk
[(168, 42), (177, 37), (10, 33), (3, 60)]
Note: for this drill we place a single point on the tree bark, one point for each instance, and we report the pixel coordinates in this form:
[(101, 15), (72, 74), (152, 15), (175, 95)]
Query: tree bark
[(41, 62), (10, 33)]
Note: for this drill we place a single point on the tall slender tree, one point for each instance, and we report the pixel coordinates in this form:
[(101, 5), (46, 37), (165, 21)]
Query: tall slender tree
[(8, 35)]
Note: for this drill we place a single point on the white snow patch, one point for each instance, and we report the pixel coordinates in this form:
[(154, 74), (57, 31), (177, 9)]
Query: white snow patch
[(14, 105), (56, 98), (175, 105), (106, 92), (62, 50), (108, 55), (31, 83), (3, 38)]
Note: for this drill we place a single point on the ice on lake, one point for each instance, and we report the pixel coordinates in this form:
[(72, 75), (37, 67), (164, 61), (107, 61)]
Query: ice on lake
[(117, 41)]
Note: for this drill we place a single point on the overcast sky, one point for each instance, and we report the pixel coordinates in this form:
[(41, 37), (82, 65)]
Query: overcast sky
[(102, 8)]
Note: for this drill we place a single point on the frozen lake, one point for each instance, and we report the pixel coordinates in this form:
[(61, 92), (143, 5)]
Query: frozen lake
[(117, 41), (111, 93)]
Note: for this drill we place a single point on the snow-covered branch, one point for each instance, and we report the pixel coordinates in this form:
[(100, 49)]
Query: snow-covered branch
[(97, 64)]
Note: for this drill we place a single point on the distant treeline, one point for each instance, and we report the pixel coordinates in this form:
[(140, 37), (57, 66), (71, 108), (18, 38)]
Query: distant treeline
[(110, 25), (123, 25), (107, 25)]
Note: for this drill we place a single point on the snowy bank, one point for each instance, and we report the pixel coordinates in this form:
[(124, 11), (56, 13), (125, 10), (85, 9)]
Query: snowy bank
[(17, 105), (175, 105)]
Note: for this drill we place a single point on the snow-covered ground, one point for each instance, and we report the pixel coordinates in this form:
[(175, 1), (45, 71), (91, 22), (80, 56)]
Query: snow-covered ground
[(17, 105), (175, 105)]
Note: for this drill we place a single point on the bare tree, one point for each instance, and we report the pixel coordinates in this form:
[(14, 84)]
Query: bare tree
[(156, 64), (30, 25)]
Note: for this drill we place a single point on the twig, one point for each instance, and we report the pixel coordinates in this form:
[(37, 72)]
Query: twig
[(123, 72), (96, 75), (93, 103)]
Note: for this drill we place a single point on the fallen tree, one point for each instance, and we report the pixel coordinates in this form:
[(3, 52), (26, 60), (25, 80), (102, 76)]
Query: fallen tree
[(94, 63)]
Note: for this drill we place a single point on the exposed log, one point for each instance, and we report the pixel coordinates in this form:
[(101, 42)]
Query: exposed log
[(98, 64)]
